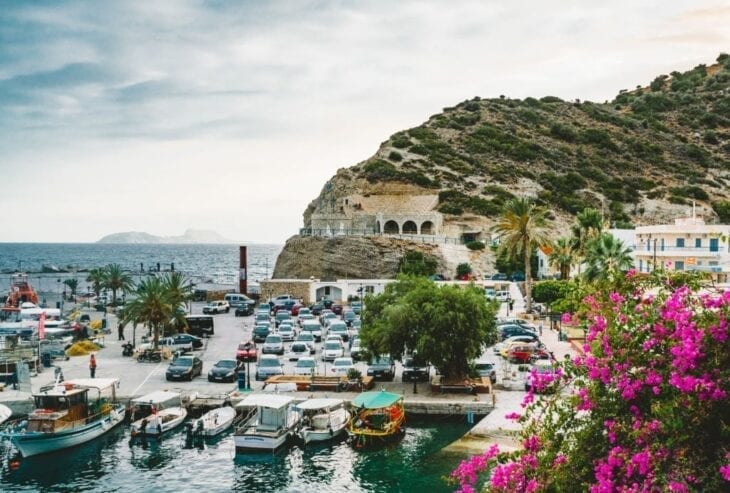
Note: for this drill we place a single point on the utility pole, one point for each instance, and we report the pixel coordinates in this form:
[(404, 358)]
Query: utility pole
[(654, 264)]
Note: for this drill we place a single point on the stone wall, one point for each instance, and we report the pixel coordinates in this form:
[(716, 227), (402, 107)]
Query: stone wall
[(299, 288)]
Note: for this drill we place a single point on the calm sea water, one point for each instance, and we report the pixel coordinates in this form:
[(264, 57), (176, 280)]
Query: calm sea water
[(110, 463), (203, 264)]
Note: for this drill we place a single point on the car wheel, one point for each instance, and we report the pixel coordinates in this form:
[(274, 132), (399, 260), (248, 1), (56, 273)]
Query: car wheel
[(228, 310), (210, 379)]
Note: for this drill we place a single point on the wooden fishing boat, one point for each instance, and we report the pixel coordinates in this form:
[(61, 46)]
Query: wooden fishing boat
[(216, 421), (378, 418), (66, 415), (20, 292), (321, 419), (154, 414), (268, 421)]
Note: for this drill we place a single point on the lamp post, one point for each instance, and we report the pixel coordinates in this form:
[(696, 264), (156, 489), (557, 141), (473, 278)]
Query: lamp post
[(415, 385), (248, 375)]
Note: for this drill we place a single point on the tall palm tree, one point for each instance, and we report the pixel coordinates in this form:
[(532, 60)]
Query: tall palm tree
[(72, 284), (606, 256), (523, 226), (115, 279), (151, 307), (589, 225), (179, 291), (96, 278), (562, 257)]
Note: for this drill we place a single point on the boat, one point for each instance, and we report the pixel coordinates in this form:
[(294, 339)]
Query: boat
[(378, 418), (268, 421), (321, 419), (20, 292), (67, 415), (154, 414), (216, 421), (5, 413)]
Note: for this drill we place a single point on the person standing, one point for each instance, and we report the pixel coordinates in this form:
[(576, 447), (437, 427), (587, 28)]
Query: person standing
[(539, 328), (92, 366), (120, 331)]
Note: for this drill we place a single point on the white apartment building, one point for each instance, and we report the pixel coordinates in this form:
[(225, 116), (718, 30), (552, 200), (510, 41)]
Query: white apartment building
[(688, 244)]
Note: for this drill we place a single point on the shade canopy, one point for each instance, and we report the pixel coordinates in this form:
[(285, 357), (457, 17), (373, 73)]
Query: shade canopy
[(273, 401), (319, 404), (376, 400), (93, 383), (157, 397)]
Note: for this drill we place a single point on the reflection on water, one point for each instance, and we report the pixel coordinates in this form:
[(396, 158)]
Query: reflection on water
[(113, 463)]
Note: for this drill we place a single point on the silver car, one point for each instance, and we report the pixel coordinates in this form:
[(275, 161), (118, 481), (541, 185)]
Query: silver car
[(273, 344), (268, 366)]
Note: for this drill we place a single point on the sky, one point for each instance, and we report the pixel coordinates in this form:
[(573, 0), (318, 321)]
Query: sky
[(231, 115)]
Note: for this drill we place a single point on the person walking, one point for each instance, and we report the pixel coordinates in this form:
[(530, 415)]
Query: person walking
[(92, 366), (120, 331), (511, 304), (539, 328)]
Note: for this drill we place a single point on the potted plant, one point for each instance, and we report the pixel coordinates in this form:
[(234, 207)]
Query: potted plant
[(353, 375)]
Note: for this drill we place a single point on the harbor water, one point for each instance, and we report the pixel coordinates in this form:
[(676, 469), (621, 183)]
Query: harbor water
[(111, 463)]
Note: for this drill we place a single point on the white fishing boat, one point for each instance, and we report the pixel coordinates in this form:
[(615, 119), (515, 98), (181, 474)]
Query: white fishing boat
[(70, 413), (5, 413), (154, 414), (268, 421), (216, 421), (321, 419)]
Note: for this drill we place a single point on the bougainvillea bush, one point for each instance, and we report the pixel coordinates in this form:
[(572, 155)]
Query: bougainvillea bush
[(645, 408)]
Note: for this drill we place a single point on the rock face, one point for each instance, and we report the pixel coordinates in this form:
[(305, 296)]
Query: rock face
[(330, 258)]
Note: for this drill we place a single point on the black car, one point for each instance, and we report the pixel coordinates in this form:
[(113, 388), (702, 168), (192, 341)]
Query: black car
[(184, 368), (316, 309), (224, 370), (186, 338), (244, 310), (382, 368), (200, 325), (415, 370), (507, 331)]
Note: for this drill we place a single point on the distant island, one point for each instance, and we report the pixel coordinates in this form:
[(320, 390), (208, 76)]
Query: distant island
[(190, 236)]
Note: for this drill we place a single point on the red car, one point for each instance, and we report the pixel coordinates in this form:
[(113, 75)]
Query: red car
[(521, 353), (247, 351), (336, 309), (295, 309)]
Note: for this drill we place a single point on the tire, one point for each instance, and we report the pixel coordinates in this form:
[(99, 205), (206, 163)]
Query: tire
[(228, 310)]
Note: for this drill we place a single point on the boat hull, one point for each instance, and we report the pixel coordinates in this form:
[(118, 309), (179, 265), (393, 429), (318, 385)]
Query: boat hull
[(212, 426), (254, 442), (309, 436), (156, 425), (36, 443)]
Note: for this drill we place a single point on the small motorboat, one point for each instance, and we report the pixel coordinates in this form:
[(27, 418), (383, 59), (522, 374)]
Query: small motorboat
[(268, 421), (322, 419), (5, 413), (216, 421), (379, 418), (154, 414)]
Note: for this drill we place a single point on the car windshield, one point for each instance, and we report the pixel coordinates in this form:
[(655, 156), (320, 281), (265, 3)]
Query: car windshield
[(349, 315), (484, 366), (226, 363), (304, 311), (311, 327), (307, 316), (305, 363), (305, 337), (298, 347), (383, 360), (338, 326), (273, 339), (343, 362), (332, 345), (269, 362), (186, 362), (285, 328)]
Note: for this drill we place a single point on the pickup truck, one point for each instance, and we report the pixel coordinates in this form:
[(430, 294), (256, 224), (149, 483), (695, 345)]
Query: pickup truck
[(414, 370), (219, 306)]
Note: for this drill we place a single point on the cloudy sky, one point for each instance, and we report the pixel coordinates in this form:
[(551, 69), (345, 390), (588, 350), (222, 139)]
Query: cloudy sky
[(230, 115)]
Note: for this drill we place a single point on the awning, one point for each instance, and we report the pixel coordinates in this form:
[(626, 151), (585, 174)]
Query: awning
[(376, 400), (157, 397), (93, 383), (273, 401), (319, 404)]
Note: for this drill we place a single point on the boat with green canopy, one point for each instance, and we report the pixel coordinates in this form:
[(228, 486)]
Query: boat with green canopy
[(378, 418)]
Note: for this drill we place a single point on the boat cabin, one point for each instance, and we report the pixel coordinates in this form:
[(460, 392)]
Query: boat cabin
[(67, 405), (150, 404)]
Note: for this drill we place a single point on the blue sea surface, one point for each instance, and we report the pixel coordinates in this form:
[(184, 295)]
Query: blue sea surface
[(111, 463)]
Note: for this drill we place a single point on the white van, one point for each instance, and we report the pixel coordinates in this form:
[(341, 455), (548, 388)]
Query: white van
[(237, 299)]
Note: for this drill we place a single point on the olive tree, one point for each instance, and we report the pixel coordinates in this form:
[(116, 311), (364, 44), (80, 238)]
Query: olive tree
[(448, 326)]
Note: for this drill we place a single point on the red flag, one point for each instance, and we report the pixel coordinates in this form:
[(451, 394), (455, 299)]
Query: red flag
[(42, 326)]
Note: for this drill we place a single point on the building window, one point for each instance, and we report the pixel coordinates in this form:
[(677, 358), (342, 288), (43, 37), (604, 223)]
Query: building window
[(641, 265), (680, 242), (662, 246), (679, 265), (326, 290), (698, 242)]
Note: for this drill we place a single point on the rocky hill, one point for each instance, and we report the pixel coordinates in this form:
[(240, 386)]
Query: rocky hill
[(190, 236), (641, 158)]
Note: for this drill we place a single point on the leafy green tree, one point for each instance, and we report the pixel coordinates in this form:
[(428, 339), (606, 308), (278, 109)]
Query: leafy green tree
[(116, 279), (73, 285), (447, 325), (563, 257), (549, 292), (152, 306), (415, 263), (463, 269), (606, 256), (523, 227), (96, 277)]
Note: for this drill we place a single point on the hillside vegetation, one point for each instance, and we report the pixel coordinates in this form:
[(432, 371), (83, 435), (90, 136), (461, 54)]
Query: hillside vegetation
[(647, 150)]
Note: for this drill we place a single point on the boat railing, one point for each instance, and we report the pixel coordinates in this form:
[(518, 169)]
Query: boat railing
[(19, 423), (242, 422)]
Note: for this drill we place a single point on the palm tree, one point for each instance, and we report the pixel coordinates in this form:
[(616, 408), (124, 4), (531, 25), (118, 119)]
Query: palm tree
[(523, 226), (151, 307), (589, 225), (115, 279), (562, 257), (72, 284), (179, 291), (96, 278), (606, 256)]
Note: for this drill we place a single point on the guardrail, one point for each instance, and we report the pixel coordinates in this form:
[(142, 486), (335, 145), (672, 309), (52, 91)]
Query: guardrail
[(364, 232)]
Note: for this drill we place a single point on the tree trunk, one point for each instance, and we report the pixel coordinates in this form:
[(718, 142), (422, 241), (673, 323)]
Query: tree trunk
[(528, 278), (156, 335), (114, 297)]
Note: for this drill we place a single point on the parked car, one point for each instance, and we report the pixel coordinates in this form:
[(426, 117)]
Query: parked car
[(313, 327), (336, 309), (246, 351), (546, 372), (486, 369), (340, 367), (502, 296), (356, 307), (517, 277), (243, 311), (298, 350), (261, 332), (382, 368), (269, 365), (510, 330), (356, 324), (518, 321), (499, 277), (306, 317), (224, 370), (356, 349), (305, 366), (338, 327), (273, 345), (326, 314), (308, 339), (317, 309), (196, 341), (295, 309), (302, 312), (287, 332), (263, 308), (236, 300), (283, 305), (262, 317), (219, 306), (331, 350), (281, 316), (349, 316), (521, 353), (525, 338), (184, 368), (415, 370), (174, 343)]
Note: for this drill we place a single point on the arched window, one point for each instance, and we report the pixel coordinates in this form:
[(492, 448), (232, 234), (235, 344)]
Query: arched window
[(410, 228), (391, 228), (427, 228)]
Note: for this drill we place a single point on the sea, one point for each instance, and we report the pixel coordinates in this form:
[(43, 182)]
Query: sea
[(113, 463), (208, 266)]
